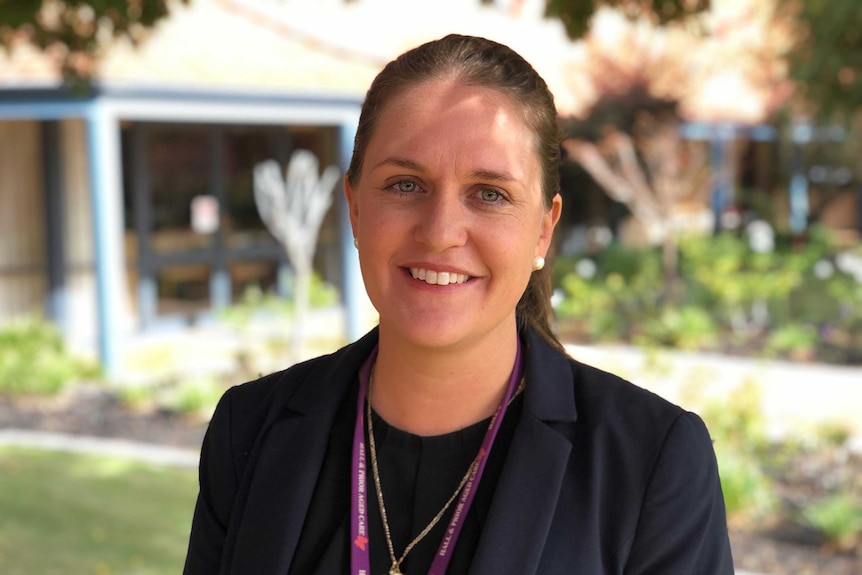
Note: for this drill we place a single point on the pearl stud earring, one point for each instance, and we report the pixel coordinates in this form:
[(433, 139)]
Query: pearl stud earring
[(538, 263), (356, 243)]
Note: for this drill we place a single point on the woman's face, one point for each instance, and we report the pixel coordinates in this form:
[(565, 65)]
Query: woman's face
[(449, 215)]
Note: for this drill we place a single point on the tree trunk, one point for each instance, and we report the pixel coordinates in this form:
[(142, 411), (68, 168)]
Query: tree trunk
[(670, 264), (301, 296)]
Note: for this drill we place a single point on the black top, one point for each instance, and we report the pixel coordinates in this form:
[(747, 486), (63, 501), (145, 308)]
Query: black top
[(418, 475)]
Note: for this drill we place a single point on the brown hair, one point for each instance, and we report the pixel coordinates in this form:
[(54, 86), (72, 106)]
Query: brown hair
[(480, 62)]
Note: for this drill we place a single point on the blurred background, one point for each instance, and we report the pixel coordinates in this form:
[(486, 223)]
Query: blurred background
[(172, 223)]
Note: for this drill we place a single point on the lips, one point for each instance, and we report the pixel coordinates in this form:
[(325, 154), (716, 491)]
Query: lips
[(438, 278)]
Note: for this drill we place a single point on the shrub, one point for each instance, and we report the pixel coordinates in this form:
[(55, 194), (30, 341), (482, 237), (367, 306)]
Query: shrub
[(749, 494), (685, 327), (738, 429), (254, 303), (800, 301), (34, 360), (792, 340), (838, 517), (194, 395)]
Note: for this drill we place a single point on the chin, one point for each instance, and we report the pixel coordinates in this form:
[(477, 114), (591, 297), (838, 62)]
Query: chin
[(425, 333)]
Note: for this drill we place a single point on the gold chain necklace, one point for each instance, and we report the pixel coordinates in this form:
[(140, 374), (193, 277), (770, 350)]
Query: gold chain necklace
[(396, 563)]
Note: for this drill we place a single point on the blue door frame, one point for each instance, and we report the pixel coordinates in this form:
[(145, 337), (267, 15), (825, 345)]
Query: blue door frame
[(102, 113)]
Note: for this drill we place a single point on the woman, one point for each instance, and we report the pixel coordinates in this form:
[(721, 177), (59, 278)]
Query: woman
[(457, 437)]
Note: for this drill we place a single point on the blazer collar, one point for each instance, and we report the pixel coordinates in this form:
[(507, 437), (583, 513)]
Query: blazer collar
[(525, 500), (550, 393)]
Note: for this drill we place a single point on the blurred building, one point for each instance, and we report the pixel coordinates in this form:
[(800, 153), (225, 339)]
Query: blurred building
[(107, 219), (131, 209)]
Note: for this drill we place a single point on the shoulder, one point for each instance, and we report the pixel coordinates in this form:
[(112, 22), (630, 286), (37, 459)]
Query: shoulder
[(604, 396), (600, 409), (570, 390), (633, 417), (658, 442)]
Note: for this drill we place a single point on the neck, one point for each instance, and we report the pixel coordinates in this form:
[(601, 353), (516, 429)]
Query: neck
[(434, 391)]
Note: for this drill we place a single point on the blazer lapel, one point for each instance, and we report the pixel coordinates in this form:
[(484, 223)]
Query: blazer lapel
[(526, 497), (288, 459), (524, 502)]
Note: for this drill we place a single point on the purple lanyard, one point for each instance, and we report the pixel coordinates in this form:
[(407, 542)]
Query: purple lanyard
[(359, 556)]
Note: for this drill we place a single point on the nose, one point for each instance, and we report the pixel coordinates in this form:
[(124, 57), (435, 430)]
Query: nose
[(442, 221)]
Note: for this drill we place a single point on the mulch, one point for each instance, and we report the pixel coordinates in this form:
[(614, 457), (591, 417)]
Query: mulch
[(98, 412), (777, 550)]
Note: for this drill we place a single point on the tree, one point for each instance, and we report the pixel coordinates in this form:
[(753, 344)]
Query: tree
[(77, 32), (826, 57), (576, 14), (644, 80), (643, 163), (293, 210)]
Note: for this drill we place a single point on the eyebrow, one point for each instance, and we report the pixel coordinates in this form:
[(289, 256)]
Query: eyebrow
[(401, 163), (488, 175), (491, 175)]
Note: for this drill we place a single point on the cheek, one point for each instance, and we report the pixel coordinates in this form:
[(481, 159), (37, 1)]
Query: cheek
[(513, 247)]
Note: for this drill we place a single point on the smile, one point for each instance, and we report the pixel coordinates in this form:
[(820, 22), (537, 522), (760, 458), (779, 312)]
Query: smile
[(438, 278)]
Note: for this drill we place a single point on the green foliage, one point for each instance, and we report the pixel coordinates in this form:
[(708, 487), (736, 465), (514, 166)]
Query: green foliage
[(826, 59), (838, 517), (322, 293), (138, 395), (800, 301), (254, 303), (74, 513), (739, 421), (619, 298), (734, 277), (576, 14), (793, 340), (34, 360), (194, 395), (738, 429), (752, 466), (749, 494), (683, 327)]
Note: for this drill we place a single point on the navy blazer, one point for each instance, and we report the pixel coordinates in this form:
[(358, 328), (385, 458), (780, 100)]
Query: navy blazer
[(602, 477)]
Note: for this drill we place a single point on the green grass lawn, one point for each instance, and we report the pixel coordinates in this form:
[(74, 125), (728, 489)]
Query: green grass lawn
[(75, 514)]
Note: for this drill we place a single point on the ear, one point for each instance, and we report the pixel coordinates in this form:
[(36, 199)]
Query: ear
[(549, 222), (352, 205)]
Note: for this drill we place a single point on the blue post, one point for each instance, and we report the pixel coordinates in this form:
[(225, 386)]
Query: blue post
[(103, 158), (798, 190), (353, 289), (718, 199)]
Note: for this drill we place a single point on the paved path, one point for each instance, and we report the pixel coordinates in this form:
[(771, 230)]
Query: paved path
[(794, 396), (145, 452)]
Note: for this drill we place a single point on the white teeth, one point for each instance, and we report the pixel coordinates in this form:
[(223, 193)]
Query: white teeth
[(438, 278)]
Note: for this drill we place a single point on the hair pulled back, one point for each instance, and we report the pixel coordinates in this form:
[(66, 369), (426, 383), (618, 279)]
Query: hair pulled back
[(479, 62)]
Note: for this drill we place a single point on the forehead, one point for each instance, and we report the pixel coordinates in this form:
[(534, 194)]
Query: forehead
[(447, 112), (449, 93)]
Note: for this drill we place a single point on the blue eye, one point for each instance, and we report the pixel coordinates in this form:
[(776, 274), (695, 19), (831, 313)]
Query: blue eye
[(406, 186), (490, 195)]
